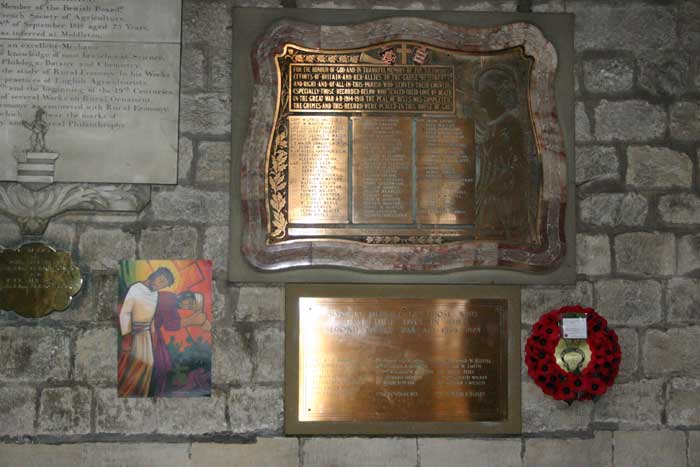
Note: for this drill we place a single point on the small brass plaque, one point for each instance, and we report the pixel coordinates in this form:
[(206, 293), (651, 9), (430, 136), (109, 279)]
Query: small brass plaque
[(36, 280), (373, 362)]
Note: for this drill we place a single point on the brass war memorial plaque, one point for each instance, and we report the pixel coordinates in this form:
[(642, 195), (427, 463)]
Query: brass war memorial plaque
[(393, 361), (36, 280), (428, 148)]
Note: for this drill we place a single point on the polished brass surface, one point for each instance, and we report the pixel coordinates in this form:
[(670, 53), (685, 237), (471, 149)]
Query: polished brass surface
[(572, 354), (36, 280)]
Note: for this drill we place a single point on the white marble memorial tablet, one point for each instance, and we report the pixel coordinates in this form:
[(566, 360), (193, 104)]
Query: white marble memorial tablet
[(89, 90)]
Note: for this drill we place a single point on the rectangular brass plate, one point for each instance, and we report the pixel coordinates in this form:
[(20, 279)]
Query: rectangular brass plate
[(396, 360)]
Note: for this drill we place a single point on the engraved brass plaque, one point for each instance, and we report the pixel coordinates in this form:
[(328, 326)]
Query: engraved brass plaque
[(36, 280), (384, 359)]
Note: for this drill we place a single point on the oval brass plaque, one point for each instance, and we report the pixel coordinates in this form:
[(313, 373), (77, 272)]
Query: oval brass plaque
[(36, 280)]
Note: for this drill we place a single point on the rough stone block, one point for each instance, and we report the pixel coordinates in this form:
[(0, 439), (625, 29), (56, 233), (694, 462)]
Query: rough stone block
[(629, 344), (266, 452), (103, 248), (106, 296), (671, 351), (583, 124), (193, 68), (685, 121), (596, 165), (172, 242), (65, 411), (629, 121), (256, 409), (207, 114), (16, 411), (608, 75), (96, 355), (220, 69), (665, 72), (34, 354), (41, 455), (593, 254), (693, 448), (683, 402), (260, 304), (136, 455), (60, 236), (189, 205), (210, 23), (689, 24), (635, 404), (191, 415), (650, 448), (680, 208), (216, 246), (627, 28), (541, 413), (221, 307), (10, 236), (128, 415), (688, 254), (269, 355), (214, 161), (650, 168), (232, 356), (633, 303), (470, 452), (614, 210), (353, 452), (546, 452), (646, 253), (185, 156), (536, 301), (683, 300)]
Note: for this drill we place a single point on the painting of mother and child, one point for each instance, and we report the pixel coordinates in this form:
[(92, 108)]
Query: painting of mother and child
[(165, 314)]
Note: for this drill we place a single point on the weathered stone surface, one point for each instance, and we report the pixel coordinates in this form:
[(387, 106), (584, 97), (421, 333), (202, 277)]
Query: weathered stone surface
[(664, 72), (646, 253), (694, 448), (106, 292), (135, 455), (210, 24), (16, 411), (265, 452), (82, 307), (189, 205), (549, 6), (685, 121), (213, 163), (231, 359), (59, 236), (103, 248), (651, 168), (545, 452), (256, 409), (671, 351), (593, 254), (689, 25), (650, 448), (172, 242), (10, 235), (185, 156), (596, 164), (352, 452), (583, 124), (221, 308), (34, 354), (683, 300), (127, 415), (539, 300), (191, 415), (614, 209), (680, 208), (192, 69), (635, 303), (41, 455), (216, 246), (65, 411), (629, 344), (472, 5), (608, 27), (636, 404), (205, 114), (629, 121), (269, 355), (95, 356), (260, 304), (470, 452), (688, 254), (541, 413), (220, 69), (683, 402), (608, 75)]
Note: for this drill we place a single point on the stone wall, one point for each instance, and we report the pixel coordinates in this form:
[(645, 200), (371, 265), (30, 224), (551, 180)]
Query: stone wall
[(638, 248)]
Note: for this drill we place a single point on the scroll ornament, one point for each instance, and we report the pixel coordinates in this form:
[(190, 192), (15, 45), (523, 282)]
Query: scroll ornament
[(573, 369)]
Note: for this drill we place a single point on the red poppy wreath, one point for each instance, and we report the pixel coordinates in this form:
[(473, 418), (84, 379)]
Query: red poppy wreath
[(573, 369)]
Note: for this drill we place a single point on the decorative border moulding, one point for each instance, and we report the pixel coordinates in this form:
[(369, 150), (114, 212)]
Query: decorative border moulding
[(260, 37)]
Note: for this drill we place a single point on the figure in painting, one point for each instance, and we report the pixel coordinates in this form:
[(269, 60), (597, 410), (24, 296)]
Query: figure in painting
[(135, 320)]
